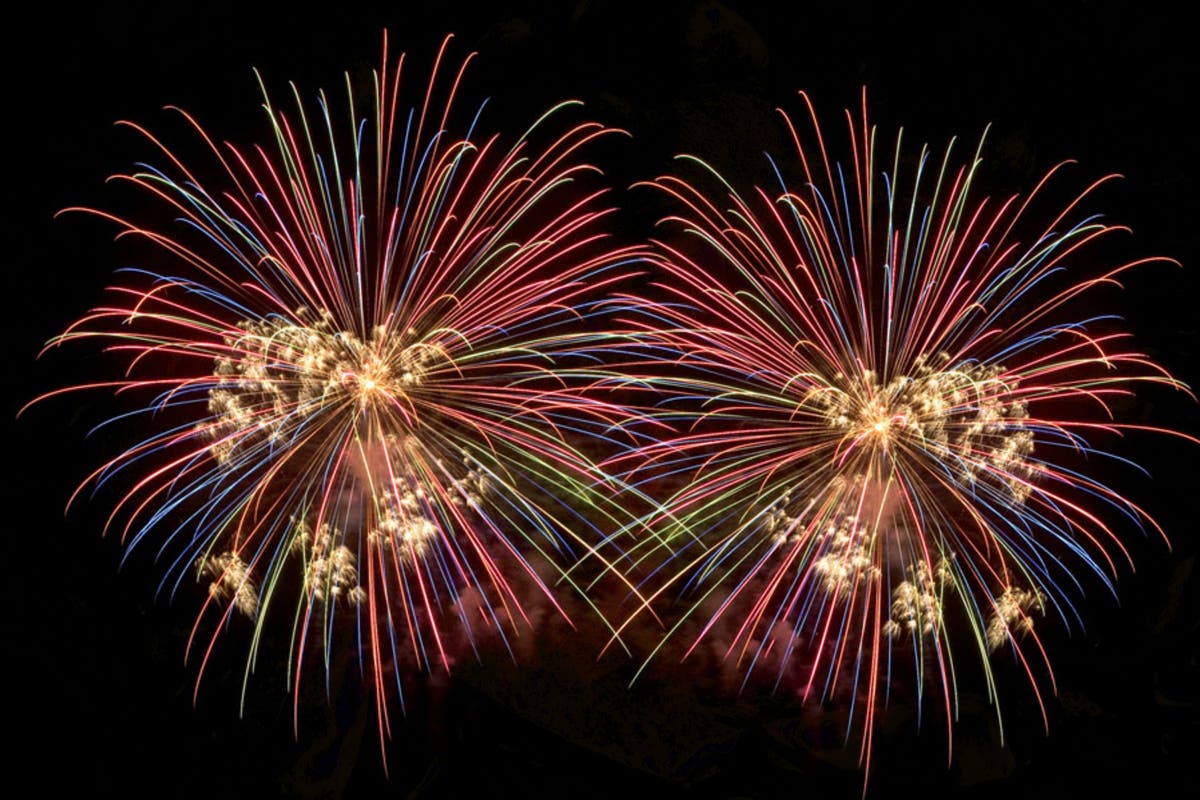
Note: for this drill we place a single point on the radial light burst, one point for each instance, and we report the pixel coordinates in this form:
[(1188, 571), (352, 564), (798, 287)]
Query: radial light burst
[(364, 350), (890, 386)]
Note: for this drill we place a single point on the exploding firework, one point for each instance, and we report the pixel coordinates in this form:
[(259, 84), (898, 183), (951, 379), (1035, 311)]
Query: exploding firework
[(365, 367), (898, 386)]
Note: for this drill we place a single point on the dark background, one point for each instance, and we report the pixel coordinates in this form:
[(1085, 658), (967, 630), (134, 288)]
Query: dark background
[(102, 697)]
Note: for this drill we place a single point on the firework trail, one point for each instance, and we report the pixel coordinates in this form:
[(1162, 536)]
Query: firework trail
[(897, 388), (363, 370)]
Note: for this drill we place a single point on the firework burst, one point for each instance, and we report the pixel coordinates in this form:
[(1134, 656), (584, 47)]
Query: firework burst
[(897, 388), (370, 351)]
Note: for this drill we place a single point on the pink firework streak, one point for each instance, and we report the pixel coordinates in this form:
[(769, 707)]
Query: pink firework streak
[(889, 387), (372, 346)]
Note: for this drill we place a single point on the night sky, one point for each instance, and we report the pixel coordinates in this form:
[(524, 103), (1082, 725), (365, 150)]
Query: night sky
[(103, 696)]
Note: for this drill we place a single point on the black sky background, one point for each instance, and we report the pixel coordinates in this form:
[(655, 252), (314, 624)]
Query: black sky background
[(101, 696)]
